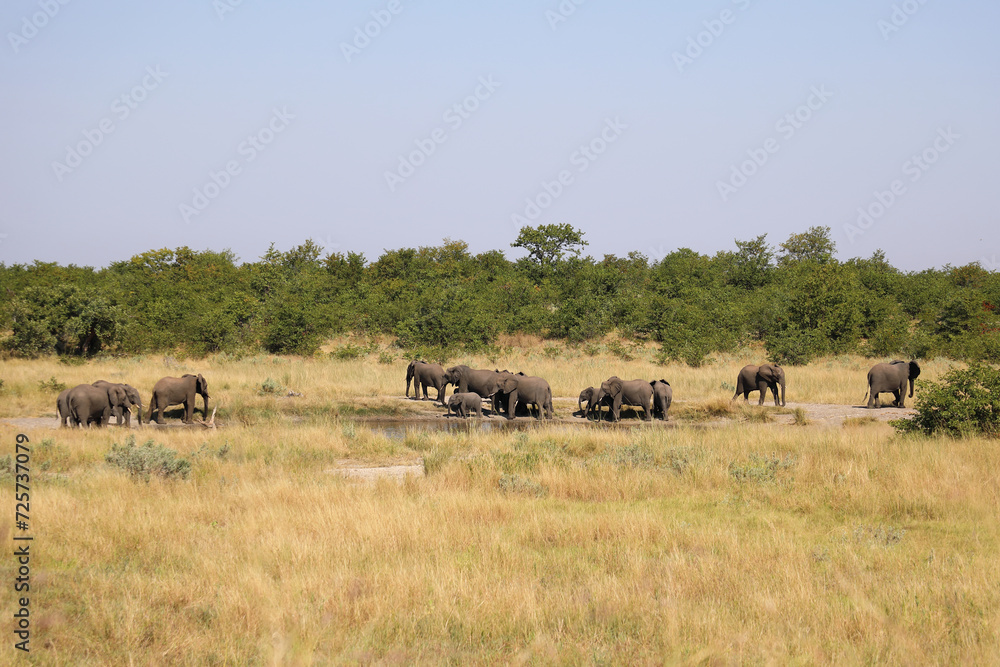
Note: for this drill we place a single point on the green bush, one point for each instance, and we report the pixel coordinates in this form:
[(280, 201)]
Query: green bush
[(146, 460), (270, 386), (52, 384), (965, 402)]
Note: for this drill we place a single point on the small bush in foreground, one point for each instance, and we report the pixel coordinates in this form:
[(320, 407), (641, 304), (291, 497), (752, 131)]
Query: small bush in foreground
[(965, 402), (146, 460)]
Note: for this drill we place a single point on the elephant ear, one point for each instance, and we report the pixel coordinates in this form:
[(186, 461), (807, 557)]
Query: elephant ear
[(201, 386), (914, 370), (768, 373), (665, 382), (616, 386)]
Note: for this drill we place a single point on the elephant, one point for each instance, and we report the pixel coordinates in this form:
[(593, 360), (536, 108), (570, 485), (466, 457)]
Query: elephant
[(663, 396), (637, 393), (483, 382), (528, 390), (761, 378), (132, 394), (62, 406), (171, 391), (465, 403), (588, 396), (94, 405), (425, 375), (891, 378), (500, 397)]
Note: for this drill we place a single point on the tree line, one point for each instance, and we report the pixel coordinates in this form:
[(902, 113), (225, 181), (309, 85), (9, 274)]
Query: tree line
[(796, 298)]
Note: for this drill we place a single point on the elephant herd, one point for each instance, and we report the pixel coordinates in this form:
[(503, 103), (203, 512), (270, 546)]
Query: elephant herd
[(95, 404), (506, 390)]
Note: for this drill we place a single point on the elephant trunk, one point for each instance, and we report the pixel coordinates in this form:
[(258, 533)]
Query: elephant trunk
[(205, 396), (911, 387), (138, 414), (782, 392)]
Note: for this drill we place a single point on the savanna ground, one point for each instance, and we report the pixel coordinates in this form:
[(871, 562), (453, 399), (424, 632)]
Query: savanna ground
[(733, 535)]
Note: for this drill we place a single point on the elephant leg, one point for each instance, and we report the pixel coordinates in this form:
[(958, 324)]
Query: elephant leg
[(872, 398)]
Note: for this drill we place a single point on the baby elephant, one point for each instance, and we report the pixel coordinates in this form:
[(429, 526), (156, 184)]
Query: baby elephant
[(465, 403)]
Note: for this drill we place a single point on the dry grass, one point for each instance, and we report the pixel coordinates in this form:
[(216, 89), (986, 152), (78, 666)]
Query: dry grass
[(741, 543)]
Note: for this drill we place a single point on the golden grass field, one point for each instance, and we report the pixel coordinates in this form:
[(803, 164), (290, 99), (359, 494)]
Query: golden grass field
[(739, 542)]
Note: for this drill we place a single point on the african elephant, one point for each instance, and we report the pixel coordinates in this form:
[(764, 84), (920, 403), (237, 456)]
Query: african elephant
[(465, 403), (171, 391), (891, 378), (588, 396), (93, 405), (482, 382), (663, 396), (500, 398), (132, 394), (62, 405), (425, 375), (528, 390), (761, 378), (618, 392)]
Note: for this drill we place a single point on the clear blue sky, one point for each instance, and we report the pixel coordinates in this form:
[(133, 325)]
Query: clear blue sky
[(327, 126)]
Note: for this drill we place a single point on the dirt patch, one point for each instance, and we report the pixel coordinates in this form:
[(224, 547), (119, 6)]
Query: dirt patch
[(370, 475)]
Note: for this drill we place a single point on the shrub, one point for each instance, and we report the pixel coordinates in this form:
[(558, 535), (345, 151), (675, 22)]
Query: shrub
[(965, 402), (760, 469), (146, 460), (350, 351), (515, 484), (52, 384), (270, 386)]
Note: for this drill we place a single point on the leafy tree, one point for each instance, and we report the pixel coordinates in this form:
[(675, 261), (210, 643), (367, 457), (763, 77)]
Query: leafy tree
[(814, 244), (64, 319), (548, 244), (751, 266)]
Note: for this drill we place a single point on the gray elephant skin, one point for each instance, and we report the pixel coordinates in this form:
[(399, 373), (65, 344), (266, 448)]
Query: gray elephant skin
[(483, 382), (62, 406), (466, 404), (761, 378), (93, 405), (500, 398), (589, 397), (425, 375), (617, 392), (891, 378), (529, 390), (124, 411), (172, 391), (663, 396)]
